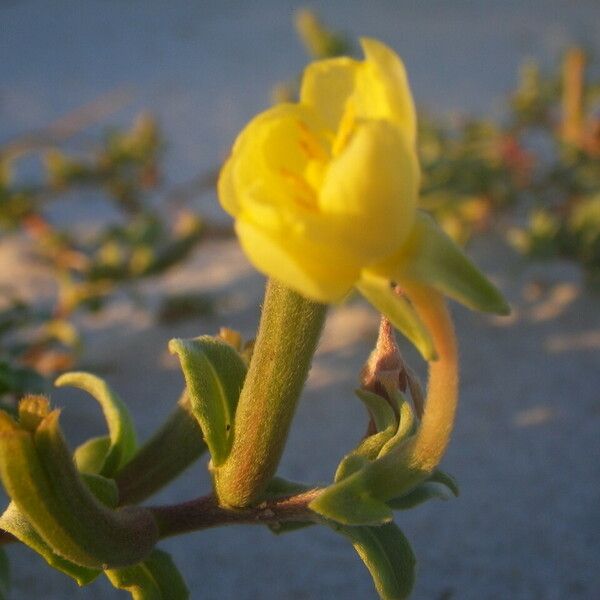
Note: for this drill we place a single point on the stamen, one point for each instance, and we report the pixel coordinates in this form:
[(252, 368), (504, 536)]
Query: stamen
[(304, 194), (310, 144)]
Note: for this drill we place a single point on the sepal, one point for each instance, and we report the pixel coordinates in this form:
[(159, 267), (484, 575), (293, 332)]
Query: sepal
[(430, 257)]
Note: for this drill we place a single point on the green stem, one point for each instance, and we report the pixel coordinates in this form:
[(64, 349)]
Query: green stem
[(288, 333), (173, 448)]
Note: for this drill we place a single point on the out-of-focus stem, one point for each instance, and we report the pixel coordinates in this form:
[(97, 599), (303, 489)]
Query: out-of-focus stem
[(173, 448)]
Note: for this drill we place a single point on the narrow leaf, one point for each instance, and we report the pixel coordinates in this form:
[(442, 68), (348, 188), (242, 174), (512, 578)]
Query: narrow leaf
[(156, 578), (214, 373), (387, 555), (378, 292), (123, 439)]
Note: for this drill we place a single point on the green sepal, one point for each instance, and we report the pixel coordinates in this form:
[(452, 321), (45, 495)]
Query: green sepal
[(387, 554), (431, 257), (39, 475), (123, 440), (214, 374), (155, 578), (91, 455), (17, 524), (4, 575), (378, 292)]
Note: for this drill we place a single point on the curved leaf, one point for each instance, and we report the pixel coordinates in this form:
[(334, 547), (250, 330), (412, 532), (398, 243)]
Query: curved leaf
[(123, 440), (214, 373), (156, 578), (16, 523), (387, 554)]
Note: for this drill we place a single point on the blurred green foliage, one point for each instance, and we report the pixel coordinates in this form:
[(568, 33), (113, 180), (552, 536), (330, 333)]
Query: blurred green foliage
[(145, 239)]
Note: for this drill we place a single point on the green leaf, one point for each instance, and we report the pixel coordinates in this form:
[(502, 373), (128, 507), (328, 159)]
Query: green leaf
[(156, 578), (349, 502), (91, 455), (387, 555), (39, 475), (431, 257), (279, 487), (4, 575), (214, 374), (422, 493), (123, 440), (380, 409), (406, 424), (377, 290), (16, 523)]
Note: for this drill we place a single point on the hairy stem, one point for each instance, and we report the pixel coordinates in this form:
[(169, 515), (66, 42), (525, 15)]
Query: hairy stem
[(289, 330)]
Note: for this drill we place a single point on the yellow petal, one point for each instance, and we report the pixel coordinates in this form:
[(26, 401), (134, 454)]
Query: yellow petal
[(269, 159), (309, 271), (371, 189), (384, 88), (327, 85)]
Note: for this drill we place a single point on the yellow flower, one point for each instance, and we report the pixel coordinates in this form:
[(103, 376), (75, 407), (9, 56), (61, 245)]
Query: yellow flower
[(324, 194), (326, 187)]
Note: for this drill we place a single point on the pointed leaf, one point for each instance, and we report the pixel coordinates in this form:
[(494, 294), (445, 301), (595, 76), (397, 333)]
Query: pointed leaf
[(214, 373), (431, 257), (123, 440), (156, 578), (387, 555), (378, 292), (439, 476), (16, 523), (422, 493)]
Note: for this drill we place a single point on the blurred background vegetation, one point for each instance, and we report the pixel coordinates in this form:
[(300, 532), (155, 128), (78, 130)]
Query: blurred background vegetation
[(533, 175)]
